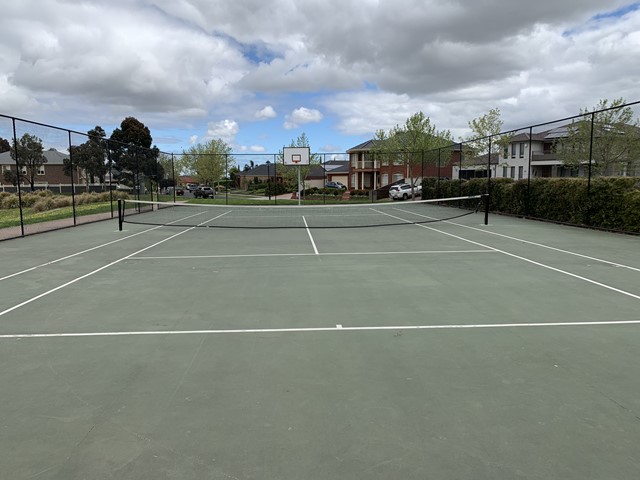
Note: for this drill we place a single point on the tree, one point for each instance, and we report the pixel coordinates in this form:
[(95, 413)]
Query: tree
[(209, 160), (132, 153), (485, 136), (407, 144), (170, 170), (616, 140), (30, 156), (10, 177), (5, 146), (90, 156)]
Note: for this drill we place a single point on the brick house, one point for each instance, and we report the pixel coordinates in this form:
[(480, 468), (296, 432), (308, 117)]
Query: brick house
[(366, 172), (51, 173)]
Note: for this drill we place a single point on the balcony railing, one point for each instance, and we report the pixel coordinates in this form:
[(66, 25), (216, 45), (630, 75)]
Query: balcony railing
[(539, 157), (366, 164)]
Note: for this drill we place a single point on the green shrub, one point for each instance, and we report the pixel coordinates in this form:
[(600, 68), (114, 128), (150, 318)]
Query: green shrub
[(44, 204), (610, 202), (9, 201)]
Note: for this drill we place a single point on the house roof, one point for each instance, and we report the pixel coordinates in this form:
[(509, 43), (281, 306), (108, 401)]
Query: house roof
[(482, 159), (53, 156)]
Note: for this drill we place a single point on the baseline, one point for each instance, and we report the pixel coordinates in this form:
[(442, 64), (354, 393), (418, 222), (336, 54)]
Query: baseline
[(337, 328)]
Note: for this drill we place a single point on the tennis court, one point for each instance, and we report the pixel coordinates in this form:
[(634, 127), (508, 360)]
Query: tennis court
[(437, 349)]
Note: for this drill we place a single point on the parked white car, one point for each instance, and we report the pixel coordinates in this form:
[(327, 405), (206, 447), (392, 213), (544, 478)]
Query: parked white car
[(403, 191)]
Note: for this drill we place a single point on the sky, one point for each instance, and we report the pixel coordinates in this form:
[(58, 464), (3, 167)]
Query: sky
[(257, 74)]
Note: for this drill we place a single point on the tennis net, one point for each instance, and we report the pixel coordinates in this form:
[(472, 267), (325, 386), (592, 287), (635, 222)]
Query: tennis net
[(357, 215)]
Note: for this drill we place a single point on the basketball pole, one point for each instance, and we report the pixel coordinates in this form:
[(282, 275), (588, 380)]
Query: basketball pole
[(299, 193)]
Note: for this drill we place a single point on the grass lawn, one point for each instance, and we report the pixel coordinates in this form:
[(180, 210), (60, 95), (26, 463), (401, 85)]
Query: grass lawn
[(11, 217)]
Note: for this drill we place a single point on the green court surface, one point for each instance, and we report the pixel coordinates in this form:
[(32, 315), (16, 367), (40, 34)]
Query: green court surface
[(451, 350)]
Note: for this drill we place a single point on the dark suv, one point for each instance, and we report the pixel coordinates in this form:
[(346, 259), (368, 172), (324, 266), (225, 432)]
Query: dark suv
[(204, 192)]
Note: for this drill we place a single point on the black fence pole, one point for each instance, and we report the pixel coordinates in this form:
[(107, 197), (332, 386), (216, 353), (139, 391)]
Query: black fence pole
[(73, 187), (460, 173), (438, 184), (527, 207), (17, 159), (324, 178), (275, 178), (588, 212), (110, 163), (173, 178), (488, 199)]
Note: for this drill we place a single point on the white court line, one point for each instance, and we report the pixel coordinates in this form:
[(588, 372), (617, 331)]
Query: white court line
[(91, 249), (315, 249), (337, 328), (60, 287), (564, 272), (324, 254)]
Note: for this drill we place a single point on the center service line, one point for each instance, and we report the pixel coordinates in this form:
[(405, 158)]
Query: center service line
[(315, 249)]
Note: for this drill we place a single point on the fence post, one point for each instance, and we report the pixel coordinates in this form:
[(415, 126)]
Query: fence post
[(588, 212), (528, 201), (16, 151), (73, 188)]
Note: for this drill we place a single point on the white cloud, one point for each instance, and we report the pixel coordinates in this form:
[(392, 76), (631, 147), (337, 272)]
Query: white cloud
[(193, 139), (190, 64), (225, 130), (301, 116), (266, 113)]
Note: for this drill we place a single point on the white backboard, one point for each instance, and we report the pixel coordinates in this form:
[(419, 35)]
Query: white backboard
[(296, 155)]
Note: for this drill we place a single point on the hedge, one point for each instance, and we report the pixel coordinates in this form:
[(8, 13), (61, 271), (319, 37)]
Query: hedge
[(45, 199), (613, 202)]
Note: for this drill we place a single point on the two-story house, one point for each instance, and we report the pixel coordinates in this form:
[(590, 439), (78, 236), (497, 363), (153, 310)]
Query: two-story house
[(368, 171)]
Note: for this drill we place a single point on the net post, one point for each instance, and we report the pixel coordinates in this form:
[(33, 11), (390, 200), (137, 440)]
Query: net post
[(486, 209), (120, 214)]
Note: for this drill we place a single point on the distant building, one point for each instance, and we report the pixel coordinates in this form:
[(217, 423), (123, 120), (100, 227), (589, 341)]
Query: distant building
[(52, 172)]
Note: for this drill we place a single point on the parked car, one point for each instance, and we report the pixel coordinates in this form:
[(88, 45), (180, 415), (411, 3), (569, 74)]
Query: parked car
[(338, 185), (192, 187), (204, 192), (179, 191), (403, 191)]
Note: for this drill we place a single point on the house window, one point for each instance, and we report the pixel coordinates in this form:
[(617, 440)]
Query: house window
[(522, 150), (354, 159), (506, 153), (385, 179), (354, 181), (23, 170), (520, 172), (384, 160), (513, 172), (397, 177), (504, 171), (6, 168), (41, 170), (513, 150)]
